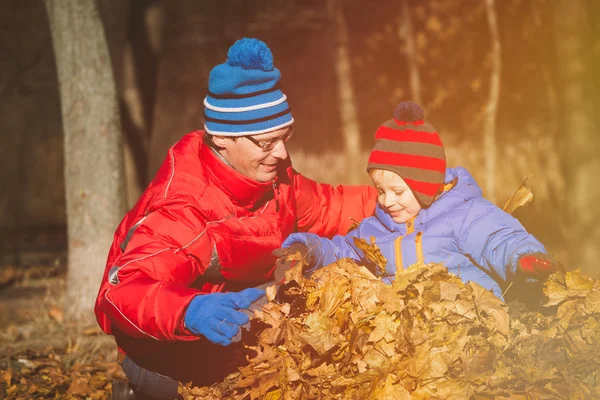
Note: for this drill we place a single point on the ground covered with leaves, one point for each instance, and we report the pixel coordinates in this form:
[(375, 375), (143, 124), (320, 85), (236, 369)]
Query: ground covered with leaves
[(344, 334), (43, 356)]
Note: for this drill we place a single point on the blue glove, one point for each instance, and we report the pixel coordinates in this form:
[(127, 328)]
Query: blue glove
[(312, 242), (216, 316)]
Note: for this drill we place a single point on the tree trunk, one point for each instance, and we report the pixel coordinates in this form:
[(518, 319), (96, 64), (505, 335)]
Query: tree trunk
[(92, 139), (405, 33), (346, 100), (580, 141), (491, 110), (191, 33)]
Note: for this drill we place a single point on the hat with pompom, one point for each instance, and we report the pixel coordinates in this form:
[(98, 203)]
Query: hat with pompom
[(410, 147), (244, 96)]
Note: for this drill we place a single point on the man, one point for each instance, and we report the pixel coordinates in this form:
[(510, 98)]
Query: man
[(185, 260)]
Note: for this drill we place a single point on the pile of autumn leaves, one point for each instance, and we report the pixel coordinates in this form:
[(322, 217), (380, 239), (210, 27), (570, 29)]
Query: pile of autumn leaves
[(428, 335)]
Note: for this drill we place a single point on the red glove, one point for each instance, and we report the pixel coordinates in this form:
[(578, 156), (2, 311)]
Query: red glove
[(537, 264)]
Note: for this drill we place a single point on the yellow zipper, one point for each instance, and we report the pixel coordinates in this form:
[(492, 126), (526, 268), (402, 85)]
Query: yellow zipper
[(410, 228), (398, 250), (419, 245)]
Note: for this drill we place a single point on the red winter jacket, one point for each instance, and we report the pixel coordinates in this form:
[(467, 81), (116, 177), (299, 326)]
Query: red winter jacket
[(203, 227)]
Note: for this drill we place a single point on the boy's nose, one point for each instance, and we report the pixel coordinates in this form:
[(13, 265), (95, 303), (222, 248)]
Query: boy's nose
[(387, 201)]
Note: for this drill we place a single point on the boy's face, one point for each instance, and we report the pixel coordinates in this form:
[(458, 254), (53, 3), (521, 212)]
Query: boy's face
[(395, 197)]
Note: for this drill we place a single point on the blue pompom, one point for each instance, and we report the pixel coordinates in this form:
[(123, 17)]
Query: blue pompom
[(250, 54), (407, 111)]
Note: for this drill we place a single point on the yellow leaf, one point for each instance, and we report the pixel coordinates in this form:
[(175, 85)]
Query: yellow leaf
[(371, 252), (374, 358), (56, 314), (519, 198), (12, 390), (390, 389), (273, 395), (271, 292), (320, 334), (385, 328), (7, 377), (449, 291)]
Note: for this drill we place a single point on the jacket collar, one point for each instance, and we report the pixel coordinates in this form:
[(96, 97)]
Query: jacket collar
[(243, 191), (460, 187)]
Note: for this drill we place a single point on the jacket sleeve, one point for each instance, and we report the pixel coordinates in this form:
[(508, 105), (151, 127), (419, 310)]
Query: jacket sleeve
[(495, 240), (327, 210), (148, 287), (326, 251)]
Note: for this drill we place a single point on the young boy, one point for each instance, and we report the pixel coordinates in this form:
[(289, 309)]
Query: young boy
[(427, 213)]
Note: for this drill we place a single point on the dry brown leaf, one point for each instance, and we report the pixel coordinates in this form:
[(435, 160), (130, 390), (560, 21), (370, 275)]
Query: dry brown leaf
[(371, 252), (79, 387), (56, 314), (7, 377), (519, 198), (12, 390)]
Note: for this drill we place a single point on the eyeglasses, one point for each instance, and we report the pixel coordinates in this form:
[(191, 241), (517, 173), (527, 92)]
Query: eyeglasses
[(268, 145)]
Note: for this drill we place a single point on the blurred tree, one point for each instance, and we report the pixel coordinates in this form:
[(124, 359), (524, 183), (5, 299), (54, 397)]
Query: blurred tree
[(92, 138), (491, 109), (346, 100), (195, 37), (580, 138), (406, 34)]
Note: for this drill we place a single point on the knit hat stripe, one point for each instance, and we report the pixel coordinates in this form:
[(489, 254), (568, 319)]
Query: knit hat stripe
[(248, 108), (429, 189), (247, 116), (265, 98), (407, 135), (423, 198), (414, 148), (230, 96), (415, 174), (407, 160), (287, 111), (417, 126), (249, 129)]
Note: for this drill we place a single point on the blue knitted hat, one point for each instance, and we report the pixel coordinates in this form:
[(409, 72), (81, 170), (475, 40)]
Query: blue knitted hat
[(244, 97)]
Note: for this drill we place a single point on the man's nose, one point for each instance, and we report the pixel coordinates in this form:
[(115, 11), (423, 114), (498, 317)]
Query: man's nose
[(280, 151)]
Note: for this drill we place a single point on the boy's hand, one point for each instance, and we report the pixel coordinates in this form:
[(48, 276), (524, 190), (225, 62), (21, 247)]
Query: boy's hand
[(537, 264)]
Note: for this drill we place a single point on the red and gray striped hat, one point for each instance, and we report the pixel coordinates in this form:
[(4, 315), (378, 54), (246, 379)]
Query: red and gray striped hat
[(410, 147)]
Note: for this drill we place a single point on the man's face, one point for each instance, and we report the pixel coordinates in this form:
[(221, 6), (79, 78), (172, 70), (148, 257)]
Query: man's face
[(395, 197), (257, 156)]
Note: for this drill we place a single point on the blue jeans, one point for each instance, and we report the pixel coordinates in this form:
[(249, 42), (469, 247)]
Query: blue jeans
[(149, 383)]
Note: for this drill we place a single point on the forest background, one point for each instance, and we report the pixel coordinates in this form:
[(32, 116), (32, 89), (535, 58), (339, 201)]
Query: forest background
[(511, 86)]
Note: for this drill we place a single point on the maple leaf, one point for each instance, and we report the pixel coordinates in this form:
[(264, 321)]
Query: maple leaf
[(519, 198), (372, 252), (487, 303), (320, 333)]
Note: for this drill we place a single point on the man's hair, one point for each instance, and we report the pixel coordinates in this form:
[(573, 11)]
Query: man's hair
[(209, 141)]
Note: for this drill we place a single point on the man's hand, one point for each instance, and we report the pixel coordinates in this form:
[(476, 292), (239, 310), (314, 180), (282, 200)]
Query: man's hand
[(218, 316), (537, 265), (284, 263)]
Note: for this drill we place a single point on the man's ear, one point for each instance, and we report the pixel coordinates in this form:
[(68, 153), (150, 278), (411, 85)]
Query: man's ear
[(220, 141)]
